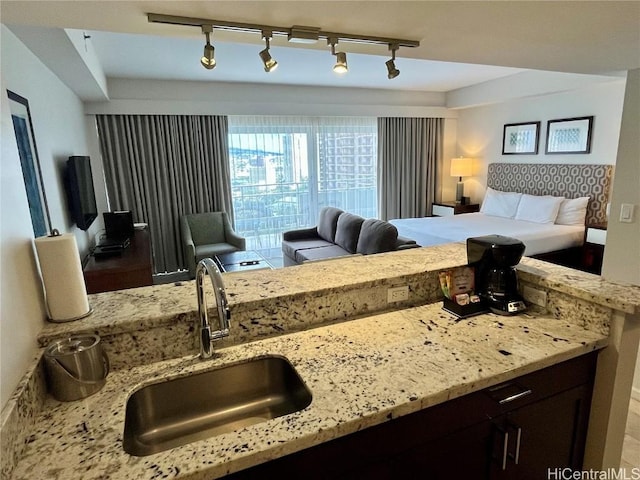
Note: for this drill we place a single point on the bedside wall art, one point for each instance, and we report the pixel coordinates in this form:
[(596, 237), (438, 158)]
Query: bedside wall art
[(569, 135), (521, 138)]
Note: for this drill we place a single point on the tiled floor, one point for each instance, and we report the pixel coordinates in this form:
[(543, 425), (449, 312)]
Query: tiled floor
[(631, 447)]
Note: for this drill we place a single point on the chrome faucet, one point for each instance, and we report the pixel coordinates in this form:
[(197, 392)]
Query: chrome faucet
[(207, 336)]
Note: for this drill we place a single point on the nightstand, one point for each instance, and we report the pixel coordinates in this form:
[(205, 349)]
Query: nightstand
[(444, 209), (593, 248)]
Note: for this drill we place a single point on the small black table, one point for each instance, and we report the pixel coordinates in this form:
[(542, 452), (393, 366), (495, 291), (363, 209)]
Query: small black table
[(241, 261)]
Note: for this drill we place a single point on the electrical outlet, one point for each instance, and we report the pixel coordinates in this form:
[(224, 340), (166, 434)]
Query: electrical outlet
[(535, 296), (397, 294)]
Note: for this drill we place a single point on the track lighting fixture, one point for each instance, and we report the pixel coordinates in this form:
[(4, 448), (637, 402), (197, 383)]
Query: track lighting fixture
[(297, 33), (208, 61), (341, 57), (393, 72), (269, 63)]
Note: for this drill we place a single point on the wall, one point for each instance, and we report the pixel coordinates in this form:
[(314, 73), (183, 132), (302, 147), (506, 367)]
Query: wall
[(133, 96), (622, 255), (623, 239), (58, 123), (615, 141), (480, 129)]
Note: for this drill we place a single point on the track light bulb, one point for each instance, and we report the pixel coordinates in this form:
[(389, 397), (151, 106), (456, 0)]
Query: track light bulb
[(393, 72), (341, 57), (341, 63), (269, 63), (208, 60), (391, 68)]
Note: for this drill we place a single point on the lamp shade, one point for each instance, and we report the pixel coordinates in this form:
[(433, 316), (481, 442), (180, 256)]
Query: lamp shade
[(461, 167)]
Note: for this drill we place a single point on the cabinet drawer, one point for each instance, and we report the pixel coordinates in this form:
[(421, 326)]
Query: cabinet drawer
[(543, 383), (596, 235), (442, 211)]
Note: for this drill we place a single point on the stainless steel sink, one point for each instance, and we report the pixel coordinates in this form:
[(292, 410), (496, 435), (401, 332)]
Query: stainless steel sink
[(183, 410)]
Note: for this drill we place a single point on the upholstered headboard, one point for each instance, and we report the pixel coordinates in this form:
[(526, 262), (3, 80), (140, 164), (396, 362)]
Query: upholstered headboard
[(561, 180)]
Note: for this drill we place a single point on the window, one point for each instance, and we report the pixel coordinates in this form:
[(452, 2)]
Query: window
[(284, 169)]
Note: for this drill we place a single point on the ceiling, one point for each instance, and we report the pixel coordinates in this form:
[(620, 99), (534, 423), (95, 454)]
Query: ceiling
[(461, 43)]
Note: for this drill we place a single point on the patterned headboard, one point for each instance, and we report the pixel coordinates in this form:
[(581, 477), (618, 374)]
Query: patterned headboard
[(569, 181)]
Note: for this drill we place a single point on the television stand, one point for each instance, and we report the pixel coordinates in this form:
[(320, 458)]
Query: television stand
[(131, 268)]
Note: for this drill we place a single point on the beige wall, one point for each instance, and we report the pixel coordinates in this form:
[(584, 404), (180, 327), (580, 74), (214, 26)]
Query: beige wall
[(480, 128), (58, 123), (622, 254), (21, 301)]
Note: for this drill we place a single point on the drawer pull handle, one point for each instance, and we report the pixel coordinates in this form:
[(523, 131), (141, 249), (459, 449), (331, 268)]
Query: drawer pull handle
[(505, 449), (516, 396), (518, 437)]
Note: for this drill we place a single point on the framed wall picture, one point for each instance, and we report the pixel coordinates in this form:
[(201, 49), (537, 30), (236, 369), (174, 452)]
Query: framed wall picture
[(521, 138), (569, 135), (38, 208)]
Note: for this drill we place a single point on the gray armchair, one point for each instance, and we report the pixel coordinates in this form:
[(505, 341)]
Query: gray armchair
[(206, 235)]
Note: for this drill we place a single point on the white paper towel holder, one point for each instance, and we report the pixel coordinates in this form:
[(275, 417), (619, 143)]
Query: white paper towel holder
[(56, 233)]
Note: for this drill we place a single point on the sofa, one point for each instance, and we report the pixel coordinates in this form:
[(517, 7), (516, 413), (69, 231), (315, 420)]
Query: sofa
[(339, 233)]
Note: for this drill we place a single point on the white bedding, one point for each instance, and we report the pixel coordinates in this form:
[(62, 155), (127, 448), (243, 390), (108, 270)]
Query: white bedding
[(537, 237)]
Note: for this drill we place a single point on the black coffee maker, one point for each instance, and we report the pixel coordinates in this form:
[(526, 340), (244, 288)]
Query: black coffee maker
[(494, 258)]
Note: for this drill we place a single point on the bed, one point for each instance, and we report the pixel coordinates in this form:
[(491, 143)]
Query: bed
[(538, 238), (538, 182)]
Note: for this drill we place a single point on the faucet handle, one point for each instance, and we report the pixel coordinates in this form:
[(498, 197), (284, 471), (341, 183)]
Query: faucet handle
[(206, 347)]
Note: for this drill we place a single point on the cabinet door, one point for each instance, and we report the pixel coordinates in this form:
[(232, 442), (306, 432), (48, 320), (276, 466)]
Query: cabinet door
[(465, 454), (544, 435)]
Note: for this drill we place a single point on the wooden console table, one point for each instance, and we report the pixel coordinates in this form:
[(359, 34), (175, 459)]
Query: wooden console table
[(132, 268)]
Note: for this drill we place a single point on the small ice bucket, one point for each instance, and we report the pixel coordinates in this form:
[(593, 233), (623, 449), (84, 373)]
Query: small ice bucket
[(76, 367)]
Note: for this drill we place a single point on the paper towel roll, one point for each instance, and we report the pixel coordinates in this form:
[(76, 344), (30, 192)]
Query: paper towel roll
[(65, 291)]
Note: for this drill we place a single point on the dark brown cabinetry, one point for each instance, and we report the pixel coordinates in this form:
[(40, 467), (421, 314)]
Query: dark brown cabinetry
[(516, 430), (132, 268)]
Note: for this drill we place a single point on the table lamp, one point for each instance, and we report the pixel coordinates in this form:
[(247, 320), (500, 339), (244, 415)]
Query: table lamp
[(461, 167)]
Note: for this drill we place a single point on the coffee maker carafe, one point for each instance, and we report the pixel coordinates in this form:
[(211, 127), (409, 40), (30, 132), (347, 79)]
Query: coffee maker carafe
[(494, 258)]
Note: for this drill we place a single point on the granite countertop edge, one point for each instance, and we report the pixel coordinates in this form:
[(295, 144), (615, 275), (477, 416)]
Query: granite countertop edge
[(359, 372)]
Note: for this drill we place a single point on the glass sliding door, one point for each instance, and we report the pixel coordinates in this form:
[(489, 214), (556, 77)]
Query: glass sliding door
[(284, 169)]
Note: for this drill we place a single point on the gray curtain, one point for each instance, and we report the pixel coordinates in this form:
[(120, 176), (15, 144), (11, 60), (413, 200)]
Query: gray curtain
[(163, 166), (409, 151)]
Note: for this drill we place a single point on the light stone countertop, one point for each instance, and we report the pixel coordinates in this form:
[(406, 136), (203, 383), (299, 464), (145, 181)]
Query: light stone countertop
[(592, 288), (148, 307), (360, 372), (156, 305)]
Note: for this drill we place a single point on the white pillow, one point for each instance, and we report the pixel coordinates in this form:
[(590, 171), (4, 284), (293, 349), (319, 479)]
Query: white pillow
[(572, 211), (538, 209), (500, 204)]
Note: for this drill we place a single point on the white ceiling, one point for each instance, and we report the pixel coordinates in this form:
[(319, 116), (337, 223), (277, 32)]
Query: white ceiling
[(459, 39), (167, 58)]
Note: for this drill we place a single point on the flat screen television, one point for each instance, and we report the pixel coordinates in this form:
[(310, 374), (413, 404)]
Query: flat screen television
[(80, 193)]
